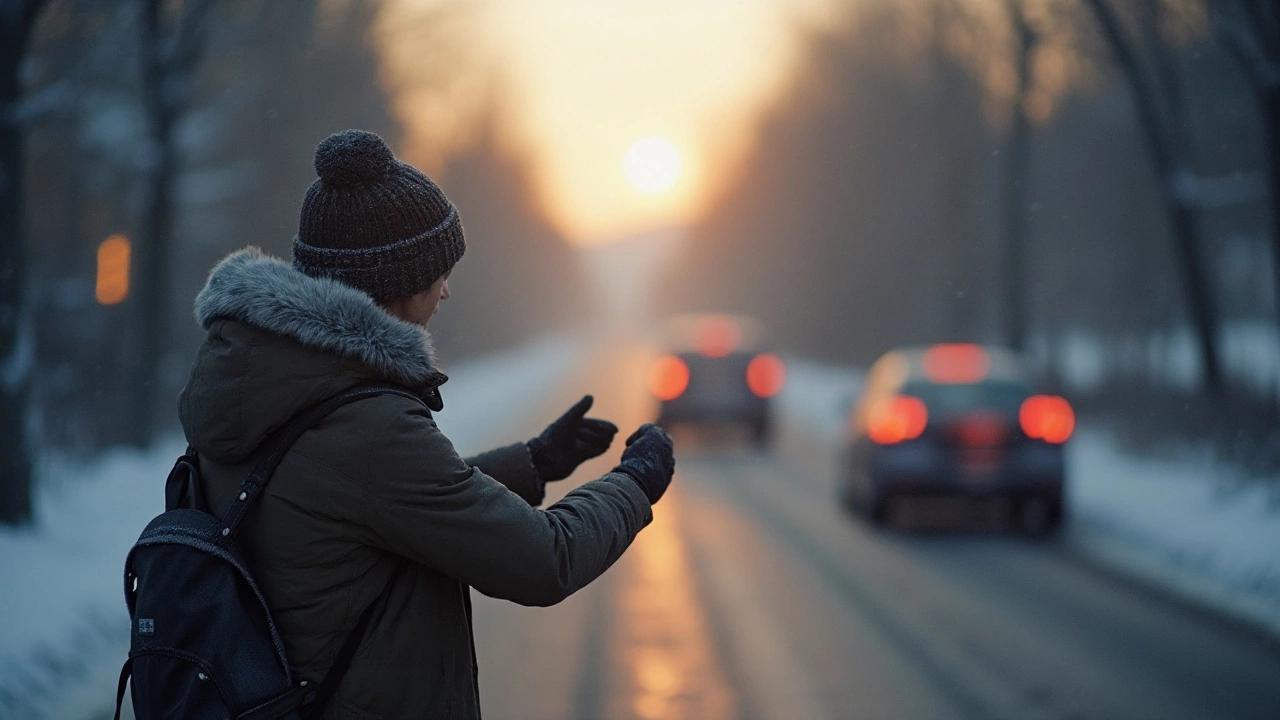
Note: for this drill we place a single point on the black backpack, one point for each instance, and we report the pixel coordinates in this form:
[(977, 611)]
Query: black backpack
[(203, 644)]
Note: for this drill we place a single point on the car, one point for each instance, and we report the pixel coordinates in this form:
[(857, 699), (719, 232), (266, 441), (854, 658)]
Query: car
[(958, 420), (714, 373)]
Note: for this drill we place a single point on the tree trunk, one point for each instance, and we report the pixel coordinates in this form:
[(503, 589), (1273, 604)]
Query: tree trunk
[(1253, 39), (17, 334), (1015, 186), (152, 251), (1271, 120), (1166, 156)]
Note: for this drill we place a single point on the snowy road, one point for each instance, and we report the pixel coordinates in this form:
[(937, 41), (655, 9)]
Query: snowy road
[(752, 596)]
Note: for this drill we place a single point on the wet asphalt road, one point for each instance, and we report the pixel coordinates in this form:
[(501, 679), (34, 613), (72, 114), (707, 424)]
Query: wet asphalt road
[(752, 595)]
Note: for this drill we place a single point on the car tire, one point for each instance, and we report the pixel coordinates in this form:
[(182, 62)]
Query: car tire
[(761, 434), (877, 509), (1039, 517)]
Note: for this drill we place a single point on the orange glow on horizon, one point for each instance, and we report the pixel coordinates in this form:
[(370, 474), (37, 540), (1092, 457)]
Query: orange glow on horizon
[(576, 82)]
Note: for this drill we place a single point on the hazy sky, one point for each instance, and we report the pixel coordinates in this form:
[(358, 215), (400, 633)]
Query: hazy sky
[(587, 78)]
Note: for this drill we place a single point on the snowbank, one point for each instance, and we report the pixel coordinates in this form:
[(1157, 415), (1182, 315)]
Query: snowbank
[(65, 629), (1250, 356), (63, 593), (1194, 525)]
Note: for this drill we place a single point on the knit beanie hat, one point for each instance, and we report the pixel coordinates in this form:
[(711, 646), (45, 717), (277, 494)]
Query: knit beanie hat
[(373, 222)]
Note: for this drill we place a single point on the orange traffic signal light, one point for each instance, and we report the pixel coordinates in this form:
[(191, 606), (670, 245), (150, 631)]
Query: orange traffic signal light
[(113, 270)]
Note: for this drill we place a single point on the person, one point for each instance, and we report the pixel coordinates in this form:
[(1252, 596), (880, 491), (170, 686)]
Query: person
[(373, 504)]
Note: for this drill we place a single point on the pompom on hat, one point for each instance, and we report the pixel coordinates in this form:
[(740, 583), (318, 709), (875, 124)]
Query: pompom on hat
[(373, 222)]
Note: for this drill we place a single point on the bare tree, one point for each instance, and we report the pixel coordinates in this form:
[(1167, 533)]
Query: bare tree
[(1250, 29), (173, 39), (17, 335), (961, 141), (1017, 158), (1159, 126)]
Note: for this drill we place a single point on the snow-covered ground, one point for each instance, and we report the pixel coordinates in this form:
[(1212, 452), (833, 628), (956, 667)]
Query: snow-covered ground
[(1084, 359), (62, 596), (1194, 526)]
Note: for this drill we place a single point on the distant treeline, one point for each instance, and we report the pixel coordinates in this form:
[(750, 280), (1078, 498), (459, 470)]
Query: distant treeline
[(873, 211), (870, 213)]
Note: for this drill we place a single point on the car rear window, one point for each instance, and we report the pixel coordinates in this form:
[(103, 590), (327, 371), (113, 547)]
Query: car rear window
[(1000, 395)]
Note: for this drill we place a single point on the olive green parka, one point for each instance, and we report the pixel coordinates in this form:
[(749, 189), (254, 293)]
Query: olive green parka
[(374, 502)]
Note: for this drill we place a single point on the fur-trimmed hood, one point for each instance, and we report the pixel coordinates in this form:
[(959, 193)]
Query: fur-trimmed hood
[(279, 341), (321, 313)]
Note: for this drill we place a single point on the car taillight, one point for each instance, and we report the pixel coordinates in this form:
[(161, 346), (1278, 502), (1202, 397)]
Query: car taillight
[(668, 378), (896, 419), (1048, 418), (956, 364), (766, 375), (718, 336)]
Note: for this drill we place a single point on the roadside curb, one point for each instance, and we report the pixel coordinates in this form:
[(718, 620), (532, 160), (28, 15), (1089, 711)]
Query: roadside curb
[(1092, 544)]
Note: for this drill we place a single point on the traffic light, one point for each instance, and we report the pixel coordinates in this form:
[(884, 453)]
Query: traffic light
[(113, 270)]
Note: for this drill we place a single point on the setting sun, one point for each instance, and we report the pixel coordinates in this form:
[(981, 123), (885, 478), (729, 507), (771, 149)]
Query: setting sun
[(652, 165), (584, 80)]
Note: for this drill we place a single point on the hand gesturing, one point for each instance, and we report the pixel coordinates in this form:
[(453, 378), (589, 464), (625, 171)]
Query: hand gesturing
[(569, 441), (649, 460)]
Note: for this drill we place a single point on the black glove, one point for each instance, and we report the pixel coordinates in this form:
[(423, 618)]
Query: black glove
[(567, 442), (649, 461)]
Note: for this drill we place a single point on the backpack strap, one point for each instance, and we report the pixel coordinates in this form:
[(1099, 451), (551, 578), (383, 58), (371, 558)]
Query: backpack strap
[(125, 672), (183, 488), (274, 448), (272, 452)]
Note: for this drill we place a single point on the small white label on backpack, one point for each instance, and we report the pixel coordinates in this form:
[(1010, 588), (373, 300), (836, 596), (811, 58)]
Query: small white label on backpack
[(146, 626)]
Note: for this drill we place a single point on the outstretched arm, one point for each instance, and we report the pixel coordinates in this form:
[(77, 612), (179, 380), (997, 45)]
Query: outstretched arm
[(512, 465), (420, 500)]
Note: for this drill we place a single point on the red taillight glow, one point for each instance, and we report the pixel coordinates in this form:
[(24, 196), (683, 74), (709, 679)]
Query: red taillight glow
[(982, 430), (1048, 418), (956, 364), (718, 336), (766, 375), (668, 378), (896, 419)]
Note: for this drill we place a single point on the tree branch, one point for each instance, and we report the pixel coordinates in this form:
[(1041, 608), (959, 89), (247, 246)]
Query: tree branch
[(1262, 72), (1144, 99), (191, 34), (1264, 15)]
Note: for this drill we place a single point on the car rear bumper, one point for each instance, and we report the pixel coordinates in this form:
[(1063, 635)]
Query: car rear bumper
[(1014, 490), (714, 410), (918, 468)]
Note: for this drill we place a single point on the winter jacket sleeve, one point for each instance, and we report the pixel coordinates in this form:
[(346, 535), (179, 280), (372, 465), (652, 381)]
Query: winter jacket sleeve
[(512, 466), (424, 502)]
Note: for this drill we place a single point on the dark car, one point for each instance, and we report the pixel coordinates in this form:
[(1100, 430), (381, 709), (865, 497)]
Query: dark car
[(956, 420), (714, 374)]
